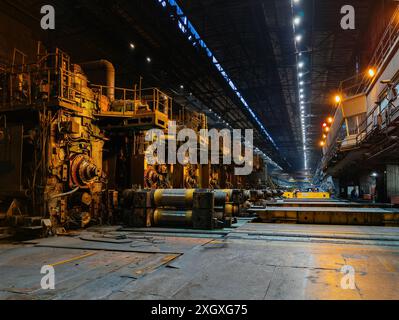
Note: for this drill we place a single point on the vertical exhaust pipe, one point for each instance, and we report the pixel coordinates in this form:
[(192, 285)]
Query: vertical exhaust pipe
[(109, 69)]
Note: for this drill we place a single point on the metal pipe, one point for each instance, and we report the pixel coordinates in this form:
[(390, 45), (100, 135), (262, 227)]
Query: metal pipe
[(64, 194), (110, 74)]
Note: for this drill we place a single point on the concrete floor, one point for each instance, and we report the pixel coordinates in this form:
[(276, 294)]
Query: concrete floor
[(253, 261)]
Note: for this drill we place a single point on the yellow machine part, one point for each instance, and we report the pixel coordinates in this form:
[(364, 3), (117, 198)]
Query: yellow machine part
[(288, 195), (313, 195), (306, 195)]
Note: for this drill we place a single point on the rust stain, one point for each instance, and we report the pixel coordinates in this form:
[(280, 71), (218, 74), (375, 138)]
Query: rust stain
[(73, 259)]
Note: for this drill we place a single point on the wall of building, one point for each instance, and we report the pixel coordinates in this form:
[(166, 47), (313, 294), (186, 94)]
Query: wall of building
[(15, 34)]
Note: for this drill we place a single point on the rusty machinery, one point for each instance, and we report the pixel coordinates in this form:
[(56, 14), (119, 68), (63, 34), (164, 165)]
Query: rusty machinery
[(51, 153), (178, 207), (144, 175), (67, 147), (222, 175), (61, 140), (191, 175), (128, 121), (190, 208)]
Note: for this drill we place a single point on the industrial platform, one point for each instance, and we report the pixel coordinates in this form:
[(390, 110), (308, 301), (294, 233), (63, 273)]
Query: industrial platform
[(330, 215), (251, 261)]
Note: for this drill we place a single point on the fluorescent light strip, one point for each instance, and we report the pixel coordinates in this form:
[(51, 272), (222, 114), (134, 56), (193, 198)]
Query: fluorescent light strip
[(300, 65), (186, 27)]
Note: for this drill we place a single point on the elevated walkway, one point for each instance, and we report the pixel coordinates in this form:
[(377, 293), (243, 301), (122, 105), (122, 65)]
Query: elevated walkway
[(367, 116)]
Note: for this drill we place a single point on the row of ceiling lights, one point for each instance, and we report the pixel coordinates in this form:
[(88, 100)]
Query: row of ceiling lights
[(185, 26), (297, 20)]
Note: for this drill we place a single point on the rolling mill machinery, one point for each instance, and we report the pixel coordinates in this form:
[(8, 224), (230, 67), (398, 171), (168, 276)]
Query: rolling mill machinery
[(64, 142), (51, 147), (190, 208), (191, 175), (72, 153)]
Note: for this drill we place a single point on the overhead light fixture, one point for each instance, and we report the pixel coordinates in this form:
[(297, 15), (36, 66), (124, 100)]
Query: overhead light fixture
[(132, 46), (371, 72)]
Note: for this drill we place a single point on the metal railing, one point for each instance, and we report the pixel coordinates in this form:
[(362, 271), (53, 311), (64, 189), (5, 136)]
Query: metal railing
[(39, 84), (377, 120), (27, 84), (134, 101)]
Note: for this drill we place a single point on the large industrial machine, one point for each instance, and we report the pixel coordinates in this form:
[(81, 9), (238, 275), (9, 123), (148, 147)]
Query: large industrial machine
[(65, 144), (72, 153)]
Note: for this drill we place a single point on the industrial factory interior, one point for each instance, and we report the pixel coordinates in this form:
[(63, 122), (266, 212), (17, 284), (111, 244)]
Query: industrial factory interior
[(199, 150)]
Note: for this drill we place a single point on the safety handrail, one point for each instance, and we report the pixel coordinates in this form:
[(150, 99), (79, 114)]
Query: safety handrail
[(153, 97)]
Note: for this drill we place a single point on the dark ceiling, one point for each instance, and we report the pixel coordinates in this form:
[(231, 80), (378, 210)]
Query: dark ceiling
[(253, 40)]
